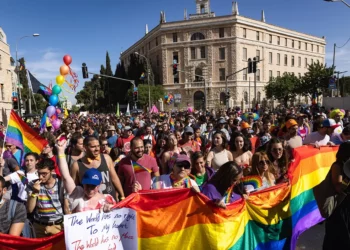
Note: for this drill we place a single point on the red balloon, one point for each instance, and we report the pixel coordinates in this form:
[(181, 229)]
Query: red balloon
[(67, 59)]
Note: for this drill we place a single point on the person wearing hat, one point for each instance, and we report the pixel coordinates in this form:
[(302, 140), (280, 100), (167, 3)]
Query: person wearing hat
[(322, 136), (123, 142), (303, 126), (221, 127), (338, 115), (188, 144), (87, 197), (338, 139), (111, 136), (292, 137), (246, 129), (178, 178)]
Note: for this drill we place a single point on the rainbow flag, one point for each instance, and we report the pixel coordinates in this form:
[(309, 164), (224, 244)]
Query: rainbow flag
[(272, 218), (22, 136), (138, 168), (172, 124), (23, 179)]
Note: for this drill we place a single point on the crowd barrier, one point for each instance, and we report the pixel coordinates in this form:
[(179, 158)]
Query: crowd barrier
[(180, 219)]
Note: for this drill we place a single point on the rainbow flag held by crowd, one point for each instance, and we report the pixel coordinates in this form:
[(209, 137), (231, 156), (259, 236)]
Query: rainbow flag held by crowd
[(22, 136), (181, 219), (138, 168)]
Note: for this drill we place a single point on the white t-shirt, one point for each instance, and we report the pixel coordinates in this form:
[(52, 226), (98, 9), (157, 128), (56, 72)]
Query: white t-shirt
[(15, 179), (316, 137)]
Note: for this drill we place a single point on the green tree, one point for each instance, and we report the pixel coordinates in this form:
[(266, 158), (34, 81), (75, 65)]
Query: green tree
[(157, 91), (316, 80), (282, 88), (75, 109), (344, 85)]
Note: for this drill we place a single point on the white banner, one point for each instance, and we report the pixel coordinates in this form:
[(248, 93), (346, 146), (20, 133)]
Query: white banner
[(95, 230)]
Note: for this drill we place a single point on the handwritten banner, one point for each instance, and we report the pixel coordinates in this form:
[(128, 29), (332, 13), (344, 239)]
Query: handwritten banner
[(95, 230)]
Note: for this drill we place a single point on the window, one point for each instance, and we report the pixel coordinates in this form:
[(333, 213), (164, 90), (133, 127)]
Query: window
[(257, 55), (174, 37), (278, 40), (318, 49), (259, 96), (270, 38), (258, 36), (143, 50), (244, 53), (202, 9), (222, 98), (222, 53), (197, 36), (198, 73), (246, 97), (270, 75), (202, 52), (299, 46), (285, 60), (2, 92), (222, 32), (292, 43), (244, 32), (157, 60), (245, 72), (312, 47), (305, 46), (156, 41), (222, 74), (292, 61), (193, 53), (258, 74), (305, 62), (176, 60), (149, 45), (299, 61), (270, 57), (278, 58), (285, 42), (278, 73), (312, 61)]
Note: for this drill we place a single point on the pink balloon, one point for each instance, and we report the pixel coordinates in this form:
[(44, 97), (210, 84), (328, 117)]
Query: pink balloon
[(58, 111), (56, 123)]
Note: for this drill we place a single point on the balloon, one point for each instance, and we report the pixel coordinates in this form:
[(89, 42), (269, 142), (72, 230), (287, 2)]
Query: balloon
[(60, 80), (56, 89), (67, 59), (58, 111), (50, 111), (64, 70), (53, 100), (56, 123), (166, 97)]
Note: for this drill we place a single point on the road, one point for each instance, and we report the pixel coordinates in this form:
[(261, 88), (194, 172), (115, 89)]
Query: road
[(312, 239)]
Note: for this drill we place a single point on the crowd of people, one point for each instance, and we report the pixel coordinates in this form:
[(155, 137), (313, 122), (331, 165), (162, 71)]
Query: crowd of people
[(95, 161)]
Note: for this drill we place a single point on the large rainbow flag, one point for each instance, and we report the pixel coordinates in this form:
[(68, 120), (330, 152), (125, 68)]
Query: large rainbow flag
[(180, 219), (22, 136)]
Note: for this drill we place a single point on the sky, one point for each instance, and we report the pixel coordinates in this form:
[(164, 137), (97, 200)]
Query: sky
[(87, 29)]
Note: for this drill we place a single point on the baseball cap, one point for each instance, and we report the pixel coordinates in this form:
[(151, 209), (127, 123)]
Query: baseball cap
[(188, 129), (222, 121), (111, 128), (182, 158), (126, 128), (245, 125), (92, 177), (290, 123), (329, 123)]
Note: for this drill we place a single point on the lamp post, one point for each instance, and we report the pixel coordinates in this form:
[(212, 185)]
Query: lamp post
[(148, 73), (338, 1), (17, 69)]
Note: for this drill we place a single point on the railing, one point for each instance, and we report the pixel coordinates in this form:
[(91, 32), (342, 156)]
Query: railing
[(190, 85)]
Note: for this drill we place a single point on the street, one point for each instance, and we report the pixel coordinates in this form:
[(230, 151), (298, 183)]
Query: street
[(312, 239)]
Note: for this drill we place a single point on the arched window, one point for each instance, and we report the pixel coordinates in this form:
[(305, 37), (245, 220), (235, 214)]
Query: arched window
[(198, 72), (202, 9), (259, 97), (246, 97), (222, 98), (197, 36)]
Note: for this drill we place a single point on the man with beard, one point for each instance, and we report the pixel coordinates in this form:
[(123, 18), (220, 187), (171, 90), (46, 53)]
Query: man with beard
[(187, 144), (292, 138), (123, 142), (137, 168), (322, 136), (89, 130), (14, 225), (102, 162), (45, 200)]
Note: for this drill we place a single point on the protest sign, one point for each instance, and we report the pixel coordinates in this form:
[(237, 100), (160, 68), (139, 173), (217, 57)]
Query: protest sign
[(95, 230)]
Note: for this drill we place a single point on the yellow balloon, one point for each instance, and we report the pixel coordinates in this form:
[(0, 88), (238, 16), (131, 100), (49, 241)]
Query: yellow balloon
[(60, 80)]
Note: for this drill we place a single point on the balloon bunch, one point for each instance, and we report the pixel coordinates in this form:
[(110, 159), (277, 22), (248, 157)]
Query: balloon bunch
[(169, 99), (65, 70)]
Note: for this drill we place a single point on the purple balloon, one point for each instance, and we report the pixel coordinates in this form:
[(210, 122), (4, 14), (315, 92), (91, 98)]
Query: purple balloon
[(50, 111), (56, 123)]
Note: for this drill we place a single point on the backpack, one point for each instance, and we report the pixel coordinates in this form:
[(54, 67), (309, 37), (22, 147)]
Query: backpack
[(28, 229)]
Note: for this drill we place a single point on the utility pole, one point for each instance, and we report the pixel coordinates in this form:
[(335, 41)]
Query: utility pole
[(249, 94)]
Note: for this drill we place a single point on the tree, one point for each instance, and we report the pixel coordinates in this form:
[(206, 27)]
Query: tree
[(344, 85), (92, 95), (316, 80), (157, 92), (282, 88), (75, 109)]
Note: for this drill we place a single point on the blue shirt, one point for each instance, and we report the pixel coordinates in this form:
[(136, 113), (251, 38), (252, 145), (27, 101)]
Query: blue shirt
[(112, 141)]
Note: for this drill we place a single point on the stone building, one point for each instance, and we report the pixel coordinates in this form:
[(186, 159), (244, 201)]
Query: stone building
[(7, 78), (207, 48)]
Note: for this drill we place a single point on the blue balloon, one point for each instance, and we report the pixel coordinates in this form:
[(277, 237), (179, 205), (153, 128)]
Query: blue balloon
[(53, 100), (166, 97)]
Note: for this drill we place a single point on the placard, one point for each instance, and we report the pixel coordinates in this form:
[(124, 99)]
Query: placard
[(95, 230)]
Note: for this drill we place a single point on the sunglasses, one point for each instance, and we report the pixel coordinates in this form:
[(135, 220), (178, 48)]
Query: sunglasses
[(189, 134), (277, 149), (184, 165), (263, 162)]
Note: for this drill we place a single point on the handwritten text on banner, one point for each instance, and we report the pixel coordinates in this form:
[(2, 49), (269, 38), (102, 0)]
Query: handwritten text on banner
[(95, 230)]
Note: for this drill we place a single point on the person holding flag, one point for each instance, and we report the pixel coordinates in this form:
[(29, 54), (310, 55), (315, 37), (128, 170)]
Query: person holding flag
[(135, 170)]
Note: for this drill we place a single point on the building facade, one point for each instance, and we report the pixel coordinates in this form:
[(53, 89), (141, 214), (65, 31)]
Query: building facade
[(207, 48), (7, 78)]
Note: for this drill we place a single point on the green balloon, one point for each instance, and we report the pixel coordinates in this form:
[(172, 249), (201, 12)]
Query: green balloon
[(56, 90)]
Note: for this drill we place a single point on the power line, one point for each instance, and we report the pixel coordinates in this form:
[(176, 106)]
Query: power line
[(344, 44)]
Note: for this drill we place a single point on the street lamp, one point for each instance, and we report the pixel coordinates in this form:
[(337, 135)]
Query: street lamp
[(148, 73), (17, 69), (338, 1)]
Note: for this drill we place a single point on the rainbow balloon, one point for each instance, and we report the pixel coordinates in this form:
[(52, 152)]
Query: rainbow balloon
[(253, 180)]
